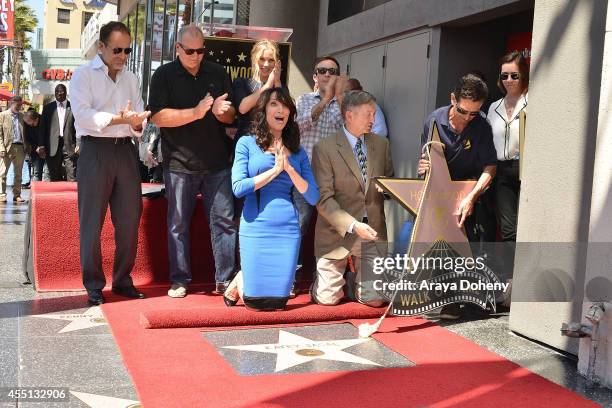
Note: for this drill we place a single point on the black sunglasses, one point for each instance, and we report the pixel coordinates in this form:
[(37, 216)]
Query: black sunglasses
[(323, 71), (190, 51), (120, 50), (464, 112), (514, 75)]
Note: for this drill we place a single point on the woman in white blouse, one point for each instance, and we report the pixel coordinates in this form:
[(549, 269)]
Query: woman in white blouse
[(504, 118)]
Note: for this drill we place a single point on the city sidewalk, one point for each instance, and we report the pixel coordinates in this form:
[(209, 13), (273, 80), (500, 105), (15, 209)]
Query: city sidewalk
[(56, 340)]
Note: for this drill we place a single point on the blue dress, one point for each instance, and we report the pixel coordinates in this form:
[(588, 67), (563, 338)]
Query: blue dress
[(269, 226)]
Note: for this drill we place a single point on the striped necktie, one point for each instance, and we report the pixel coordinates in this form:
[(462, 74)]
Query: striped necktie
[(361, 159)]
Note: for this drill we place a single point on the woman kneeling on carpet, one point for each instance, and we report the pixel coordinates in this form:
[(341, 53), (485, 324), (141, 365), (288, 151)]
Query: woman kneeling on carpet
[(267, 167)]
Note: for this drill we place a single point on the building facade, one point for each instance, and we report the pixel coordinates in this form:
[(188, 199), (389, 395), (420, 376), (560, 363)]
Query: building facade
[(409, 54), (65, 20)]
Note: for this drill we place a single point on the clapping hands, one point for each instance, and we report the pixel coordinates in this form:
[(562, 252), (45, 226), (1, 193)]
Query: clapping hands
[(134, 119)]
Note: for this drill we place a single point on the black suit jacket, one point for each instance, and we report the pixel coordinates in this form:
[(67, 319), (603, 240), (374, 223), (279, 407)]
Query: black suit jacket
[(49, 122)]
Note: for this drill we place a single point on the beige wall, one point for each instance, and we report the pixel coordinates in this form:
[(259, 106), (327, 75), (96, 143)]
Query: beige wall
[(71, 31), (557, 184)]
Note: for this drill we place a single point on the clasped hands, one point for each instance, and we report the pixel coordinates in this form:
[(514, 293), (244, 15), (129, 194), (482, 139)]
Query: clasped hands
[(281, 158)]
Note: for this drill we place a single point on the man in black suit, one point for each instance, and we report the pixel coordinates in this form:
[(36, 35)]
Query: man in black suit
[(32, 120), (57, 144)]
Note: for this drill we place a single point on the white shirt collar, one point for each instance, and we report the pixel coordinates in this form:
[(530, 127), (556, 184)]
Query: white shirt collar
[(352, 139)]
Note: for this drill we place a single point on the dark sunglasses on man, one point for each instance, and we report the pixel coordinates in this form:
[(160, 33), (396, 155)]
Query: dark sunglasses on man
[(465, 112), (118, 50), (514, 75), (190, 51), (323, 71)]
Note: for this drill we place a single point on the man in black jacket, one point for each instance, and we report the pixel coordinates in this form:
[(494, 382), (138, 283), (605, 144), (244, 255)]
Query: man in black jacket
[(57, 138)]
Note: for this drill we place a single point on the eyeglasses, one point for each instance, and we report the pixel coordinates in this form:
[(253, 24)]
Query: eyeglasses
[(323, 71), (514, 75), (190, 51), (118, 50), (464, 112)]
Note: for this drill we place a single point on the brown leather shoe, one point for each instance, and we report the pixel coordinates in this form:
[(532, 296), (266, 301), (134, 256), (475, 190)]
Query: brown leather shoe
[(19, 200)]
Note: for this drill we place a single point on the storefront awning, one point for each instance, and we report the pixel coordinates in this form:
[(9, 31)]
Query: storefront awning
[(5, 95)]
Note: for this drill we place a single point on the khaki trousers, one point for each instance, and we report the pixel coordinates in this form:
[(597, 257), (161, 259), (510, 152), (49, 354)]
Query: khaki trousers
[(15, 156), (329, 284)]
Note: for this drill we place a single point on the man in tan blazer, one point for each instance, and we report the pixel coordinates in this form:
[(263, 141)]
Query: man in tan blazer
[(351, 207), (13, 147)]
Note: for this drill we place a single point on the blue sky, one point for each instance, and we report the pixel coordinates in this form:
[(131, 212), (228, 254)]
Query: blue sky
[(39, 8)]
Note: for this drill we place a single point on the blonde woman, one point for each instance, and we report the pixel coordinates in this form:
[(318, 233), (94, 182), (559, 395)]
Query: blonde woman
[(266, 72)]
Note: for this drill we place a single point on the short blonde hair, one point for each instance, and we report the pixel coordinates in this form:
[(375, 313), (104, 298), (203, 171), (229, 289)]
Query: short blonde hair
[(256, 52)]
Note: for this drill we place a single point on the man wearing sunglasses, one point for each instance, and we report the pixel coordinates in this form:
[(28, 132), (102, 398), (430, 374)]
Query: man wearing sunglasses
[(318, 116), (469, 151), (190, 102), (102, 95)]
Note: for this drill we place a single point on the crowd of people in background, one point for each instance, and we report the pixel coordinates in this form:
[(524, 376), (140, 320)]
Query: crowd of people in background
[(285, 159)]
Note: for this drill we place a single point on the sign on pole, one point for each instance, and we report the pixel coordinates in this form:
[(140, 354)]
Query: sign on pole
[(7, 13)]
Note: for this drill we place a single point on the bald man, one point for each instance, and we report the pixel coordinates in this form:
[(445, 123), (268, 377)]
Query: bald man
[(190, 102)]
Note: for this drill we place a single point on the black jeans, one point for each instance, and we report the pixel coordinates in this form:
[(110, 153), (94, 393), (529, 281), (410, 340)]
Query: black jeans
[(508, 189)]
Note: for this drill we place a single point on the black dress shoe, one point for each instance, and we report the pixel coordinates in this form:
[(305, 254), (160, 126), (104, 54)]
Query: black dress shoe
[(128, 291), (95, 297)]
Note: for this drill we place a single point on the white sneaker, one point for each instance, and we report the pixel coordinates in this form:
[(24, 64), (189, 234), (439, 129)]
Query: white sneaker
[(178, 290)]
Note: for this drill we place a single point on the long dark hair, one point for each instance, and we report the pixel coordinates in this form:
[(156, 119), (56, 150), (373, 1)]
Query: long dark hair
[(259, 126)]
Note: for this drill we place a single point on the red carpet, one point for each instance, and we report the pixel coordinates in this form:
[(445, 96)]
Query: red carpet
[(178, 368), (299, 310), (55, 240)]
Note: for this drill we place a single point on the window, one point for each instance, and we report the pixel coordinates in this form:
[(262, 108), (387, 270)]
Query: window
[(63, 16), (61, 43), (86, 17), (340, 9)]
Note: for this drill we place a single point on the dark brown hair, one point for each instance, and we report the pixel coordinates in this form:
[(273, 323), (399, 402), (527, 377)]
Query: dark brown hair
[(471, 87), (521, 61), (259, 126), (108, 28), (326, 58)]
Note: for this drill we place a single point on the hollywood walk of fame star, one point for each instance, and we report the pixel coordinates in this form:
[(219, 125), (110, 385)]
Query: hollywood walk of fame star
[(92, 317), (293, 350), (242, 57), (434, 201), (436, 233)]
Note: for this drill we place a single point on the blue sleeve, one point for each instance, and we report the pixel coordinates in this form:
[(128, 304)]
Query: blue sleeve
[(312, 192), (487, 154), (242, 184), (380, 127)]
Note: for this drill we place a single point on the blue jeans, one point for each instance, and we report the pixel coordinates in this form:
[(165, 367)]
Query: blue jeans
[(181, 192)]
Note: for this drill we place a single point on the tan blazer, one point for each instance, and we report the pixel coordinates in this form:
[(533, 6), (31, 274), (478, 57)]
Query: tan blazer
[(6, 131), (344, 196)]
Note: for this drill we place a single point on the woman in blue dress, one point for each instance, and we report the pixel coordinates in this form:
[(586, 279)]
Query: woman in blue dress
[(267, 167)]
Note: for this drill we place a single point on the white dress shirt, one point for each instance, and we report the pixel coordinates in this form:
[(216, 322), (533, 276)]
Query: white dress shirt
[(61, 115), (506, 130), (95, 98)]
